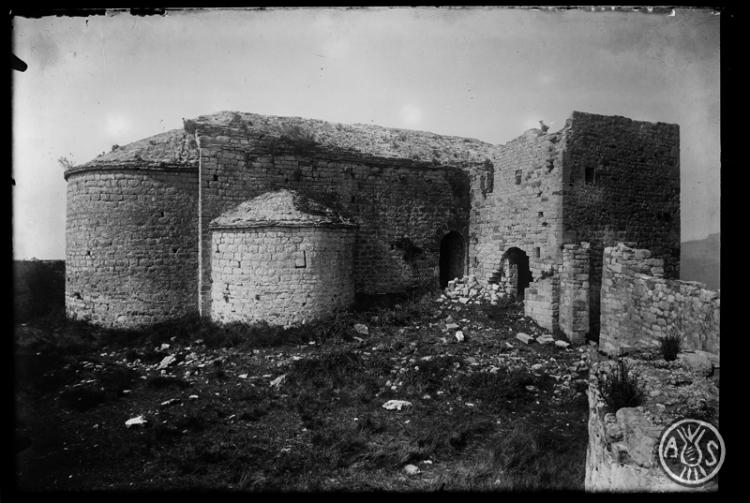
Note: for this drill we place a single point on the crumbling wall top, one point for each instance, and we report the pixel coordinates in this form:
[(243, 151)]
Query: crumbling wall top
[(286, 208), (364, 139), (172, 149)]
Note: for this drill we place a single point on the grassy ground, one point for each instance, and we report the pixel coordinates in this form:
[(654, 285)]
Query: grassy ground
[(488, 413)]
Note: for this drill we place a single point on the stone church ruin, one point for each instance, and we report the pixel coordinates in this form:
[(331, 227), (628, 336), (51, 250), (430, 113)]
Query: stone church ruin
[(252, 218), (240, 216)]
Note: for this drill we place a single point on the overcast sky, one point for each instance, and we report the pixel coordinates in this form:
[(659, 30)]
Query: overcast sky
[(486, 73)]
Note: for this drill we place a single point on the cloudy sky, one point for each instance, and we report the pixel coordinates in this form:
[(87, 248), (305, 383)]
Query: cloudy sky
[(486, 73)]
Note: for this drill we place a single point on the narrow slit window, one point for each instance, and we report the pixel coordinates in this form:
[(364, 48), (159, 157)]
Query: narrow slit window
[(519, 173), (590, 175)]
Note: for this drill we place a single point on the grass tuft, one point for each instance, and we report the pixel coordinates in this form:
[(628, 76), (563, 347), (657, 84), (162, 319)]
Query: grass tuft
[(620, 387), (670, 346)]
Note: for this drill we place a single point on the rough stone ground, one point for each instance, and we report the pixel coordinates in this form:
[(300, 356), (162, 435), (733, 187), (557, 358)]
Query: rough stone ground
[(489, 412)]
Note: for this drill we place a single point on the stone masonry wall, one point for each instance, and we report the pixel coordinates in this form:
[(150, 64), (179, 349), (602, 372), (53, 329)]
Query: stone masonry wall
[(403, 207), (131, 244), (541, 302), (621, 183), (639, 306), (282, 275), (516, 201), (574, 292)]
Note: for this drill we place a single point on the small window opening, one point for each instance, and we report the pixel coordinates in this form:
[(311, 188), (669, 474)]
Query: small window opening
[(538, 252), (519, 173), (541, 214), (590, 175), (300, 261), (216, 178)]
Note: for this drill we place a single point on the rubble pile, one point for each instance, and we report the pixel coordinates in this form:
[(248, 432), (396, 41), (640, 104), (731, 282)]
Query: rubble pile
[(468, 290)]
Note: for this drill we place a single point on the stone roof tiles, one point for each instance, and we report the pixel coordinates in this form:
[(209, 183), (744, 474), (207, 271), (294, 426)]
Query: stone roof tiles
[(175, 147), (285, 208), (365, 139)]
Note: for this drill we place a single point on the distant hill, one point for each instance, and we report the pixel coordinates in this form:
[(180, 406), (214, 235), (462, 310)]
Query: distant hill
[(700, 259)]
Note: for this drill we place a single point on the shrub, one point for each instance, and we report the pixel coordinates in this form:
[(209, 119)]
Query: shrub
[(670, 346), (620, 388)]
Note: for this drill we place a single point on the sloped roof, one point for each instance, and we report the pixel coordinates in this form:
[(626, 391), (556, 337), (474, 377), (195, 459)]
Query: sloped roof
[(171, 147), (286, 208), (366, 139)]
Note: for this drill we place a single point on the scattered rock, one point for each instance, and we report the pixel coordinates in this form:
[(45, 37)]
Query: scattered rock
[(164, 346), (193, 397), (361, 329), (698, 361), (460, 336), (537, 366), (242, 376), (169, 402), (166, 362), (396, 404), (562, 344), (412, 470), (525, 338), (545, 339), (452, 326), (278, 380), (136, 421)]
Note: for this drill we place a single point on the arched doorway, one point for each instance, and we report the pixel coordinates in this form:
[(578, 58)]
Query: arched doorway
[(451, 258), (514, 274)]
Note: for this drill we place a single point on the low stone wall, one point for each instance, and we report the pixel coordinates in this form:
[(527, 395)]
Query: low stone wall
[(541, 302), (639, 306), (623, 443), (280, 275), (574, 292)]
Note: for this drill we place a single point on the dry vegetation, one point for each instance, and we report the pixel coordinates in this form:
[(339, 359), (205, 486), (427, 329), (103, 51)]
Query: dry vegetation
[(488, 413)]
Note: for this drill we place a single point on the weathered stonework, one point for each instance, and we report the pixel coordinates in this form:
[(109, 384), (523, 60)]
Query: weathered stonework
[(574, 292), (640, 306), (403, 206), (521, 208), (541, 302), (623, 444), (276, 263), (131, 234), (621, 182), (502, 212)]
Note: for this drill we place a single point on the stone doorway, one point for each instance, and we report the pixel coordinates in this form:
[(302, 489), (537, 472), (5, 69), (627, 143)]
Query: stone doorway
[(515, 275), (451, 258)]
